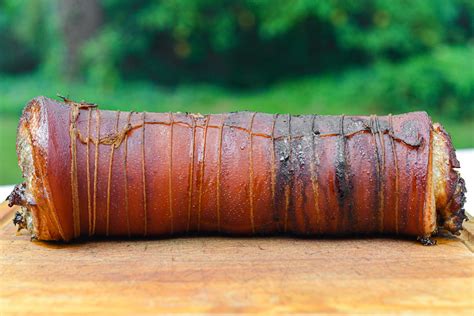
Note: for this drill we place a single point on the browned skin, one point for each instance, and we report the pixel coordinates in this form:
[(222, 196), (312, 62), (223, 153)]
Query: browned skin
[(450, 187), (152, 174)]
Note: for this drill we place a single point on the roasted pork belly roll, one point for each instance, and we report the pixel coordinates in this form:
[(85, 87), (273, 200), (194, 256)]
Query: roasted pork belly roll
[(89, 172)]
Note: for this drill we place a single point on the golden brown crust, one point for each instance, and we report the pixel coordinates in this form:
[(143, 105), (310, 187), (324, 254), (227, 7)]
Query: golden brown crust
[(32, 146), (429, 212), (449, 185)]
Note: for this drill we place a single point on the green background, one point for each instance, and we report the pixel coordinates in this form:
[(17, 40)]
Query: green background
[(296, 56)]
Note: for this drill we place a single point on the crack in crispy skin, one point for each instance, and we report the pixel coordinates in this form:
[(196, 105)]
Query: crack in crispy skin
[(261, 168)]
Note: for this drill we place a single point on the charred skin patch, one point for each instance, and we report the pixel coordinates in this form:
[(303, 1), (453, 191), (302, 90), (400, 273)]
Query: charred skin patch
[(343, 181), (300, 160), (340, 166), (283, 169)]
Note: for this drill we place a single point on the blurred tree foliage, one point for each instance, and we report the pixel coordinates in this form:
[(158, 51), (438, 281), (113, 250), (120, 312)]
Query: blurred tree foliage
[(19, 40), (249, 43)]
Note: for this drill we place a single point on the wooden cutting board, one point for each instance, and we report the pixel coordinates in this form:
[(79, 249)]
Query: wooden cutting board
[(235, 275)]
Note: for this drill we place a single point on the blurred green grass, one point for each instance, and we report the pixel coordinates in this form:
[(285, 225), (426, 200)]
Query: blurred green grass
[(354, 92), (9, 170)]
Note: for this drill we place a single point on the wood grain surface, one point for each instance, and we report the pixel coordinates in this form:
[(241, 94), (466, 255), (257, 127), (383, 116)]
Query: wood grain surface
[(211, 274)]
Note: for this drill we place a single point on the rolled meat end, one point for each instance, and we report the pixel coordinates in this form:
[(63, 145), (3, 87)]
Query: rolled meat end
[(90, 172)]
